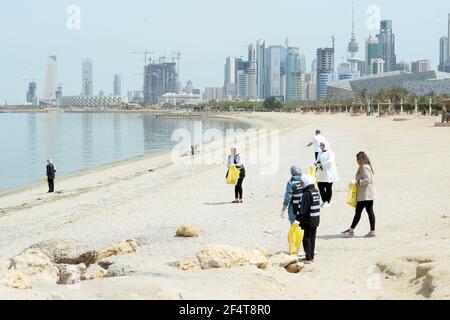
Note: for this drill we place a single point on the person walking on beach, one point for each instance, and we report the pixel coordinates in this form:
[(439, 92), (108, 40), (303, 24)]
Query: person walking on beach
[(293, 195), (366, 194), (326, 173), (309, 216), (316, 141), (235, 159), (51, 175)]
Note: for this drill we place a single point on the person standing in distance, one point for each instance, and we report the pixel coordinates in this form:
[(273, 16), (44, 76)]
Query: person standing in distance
[(316, 141), (51, 175)]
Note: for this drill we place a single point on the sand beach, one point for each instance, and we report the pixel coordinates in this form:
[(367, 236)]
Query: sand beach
[(147, 199)]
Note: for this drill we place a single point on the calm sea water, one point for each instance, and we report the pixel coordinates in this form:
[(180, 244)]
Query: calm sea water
[(79, 141)]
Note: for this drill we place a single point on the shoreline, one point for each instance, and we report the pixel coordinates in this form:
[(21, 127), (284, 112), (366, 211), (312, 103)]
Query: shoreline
[(143, 157)]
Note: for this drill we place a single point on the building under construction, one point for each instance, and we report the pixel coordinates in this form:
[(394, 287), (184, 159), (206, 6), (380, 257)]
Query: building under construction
[(159, 78)]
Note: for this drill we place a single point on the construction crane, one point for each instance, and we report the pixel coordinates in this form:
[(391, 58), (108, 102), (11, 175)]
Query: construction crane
[(146, 53), (29, 79)]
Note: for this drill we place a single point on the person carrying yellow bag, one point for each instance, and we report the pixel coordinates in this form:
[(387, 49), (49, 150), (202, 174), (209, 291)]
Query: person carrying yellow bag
[(365, 194), (291, 203), (235, 163)]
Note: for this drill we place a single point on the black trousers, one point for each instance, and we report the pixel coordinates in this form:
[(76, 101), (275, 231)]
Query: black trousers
[(316, 154), (238, 189), (309, 241), (51, 185), (368, 205), (326, 191)]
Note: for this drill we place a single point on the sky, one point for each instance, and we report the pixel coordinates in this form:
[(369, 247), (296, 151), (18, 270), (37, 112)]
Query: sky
[(204, 31)]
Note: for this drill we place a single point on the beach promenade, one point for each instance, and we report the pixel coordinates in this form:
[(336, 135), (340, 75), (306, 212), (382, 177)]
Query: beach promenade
[(148, 198)]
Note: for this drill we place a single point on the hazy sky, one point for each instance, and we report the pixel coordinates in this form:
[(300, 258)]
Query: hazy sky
[(205, 31)]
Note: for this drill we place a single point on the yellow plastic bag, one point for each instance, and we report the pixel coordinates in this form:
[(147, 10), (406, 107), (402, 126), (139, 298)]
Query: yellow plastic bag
[(312, 173), (45, 179), (233, 175), (295, 238), (352, 198)]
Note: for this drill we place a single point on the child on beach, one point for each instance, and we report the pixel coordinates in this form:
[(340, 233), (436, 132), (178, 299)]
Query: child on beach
[(309, 216), (293, 195)]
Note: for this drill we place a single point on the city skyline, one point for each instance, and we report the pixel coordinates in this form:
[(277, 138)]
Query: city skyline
[(202, 60)]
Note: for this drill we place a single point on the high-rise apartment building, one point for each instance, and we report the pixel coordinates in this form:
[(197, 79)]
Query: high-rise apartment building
[(159, 78), (443, 53), (372, 51), (117, 85), (31, 93), (386, 39), (294, 75), (87, 78), (325, 70), (51, 78)]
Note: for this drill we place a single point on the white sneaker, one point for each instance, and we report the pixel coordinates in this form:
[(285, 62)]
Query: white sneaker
[(326, 205)]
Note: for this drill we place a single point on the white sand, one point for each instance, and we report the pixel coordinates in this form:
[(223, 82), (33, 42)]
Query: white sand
[(411, 162)]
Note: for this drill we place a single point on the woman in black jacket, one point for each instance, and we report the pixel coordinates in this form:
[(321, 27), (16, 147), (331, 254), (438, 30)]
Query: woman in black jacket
[(51, 175)]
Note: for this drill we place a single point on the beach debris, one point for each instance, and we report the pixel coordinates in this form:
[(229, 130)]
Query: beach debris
[(187, 231), (94, 272), (445, 216), (118, 248), (187, 265), (223, 256), (64, 251), (70, 274), (295, 267)]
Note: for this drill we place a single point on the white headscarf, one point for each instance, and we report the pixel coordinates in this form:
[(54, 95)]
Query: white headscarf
[(327, 145), (308, 180)]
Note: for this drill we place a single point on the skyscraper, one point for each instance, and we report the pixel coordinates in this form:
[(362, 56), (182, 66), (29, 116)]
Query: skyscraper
[(325, 70), (277, 71), (386, 40), (294, 75), (252, 90), (448, 36), (51, 77), (230, 81), (443, 53), (159, 78), (87, 81), (117, 85), (31, 93), (372, 51), (353, 47)]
